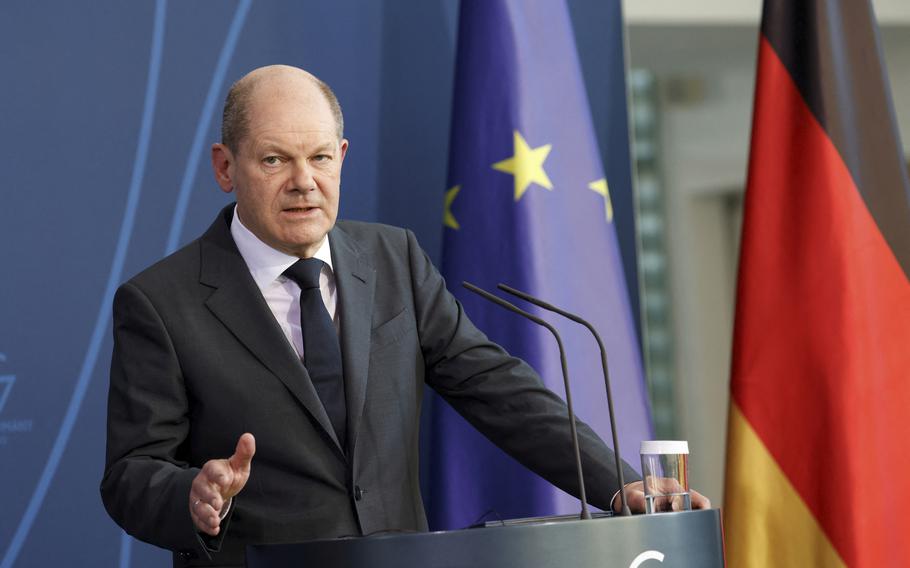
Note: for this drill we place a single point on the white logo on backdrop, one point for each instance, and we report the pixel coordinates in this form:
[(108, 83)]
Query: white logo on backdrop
[(645, 556), (9, 427), (6, 385)]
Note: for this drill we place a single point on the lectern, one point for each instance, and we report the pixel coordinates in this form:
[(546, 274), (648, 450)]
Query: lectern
[(690, 539)]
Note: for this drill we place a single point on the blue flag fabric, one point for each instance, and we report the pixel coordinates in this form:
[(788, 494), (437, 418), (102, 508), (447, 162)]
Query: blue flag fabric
[(527, 204)]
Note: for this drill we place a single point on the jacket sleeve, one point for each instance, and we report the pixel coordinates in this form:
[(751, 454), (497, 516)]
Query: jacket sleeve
[(501, 395), (147, 478)]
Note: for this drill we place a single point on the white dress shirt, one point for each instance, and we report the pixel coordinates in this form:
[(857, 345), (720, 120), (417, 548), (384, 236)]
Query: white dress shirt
[(282, 294)]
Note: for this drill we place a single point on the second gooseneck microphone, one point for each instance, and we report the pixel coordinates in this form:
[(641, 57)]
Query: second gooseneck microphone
[(603, 359), (585, 514)]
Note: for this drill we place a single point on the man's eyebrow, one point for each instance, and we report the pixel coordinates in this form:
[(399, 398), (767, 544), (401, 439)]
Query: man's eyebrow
[(269, 146), (325, 147), (274, 146)]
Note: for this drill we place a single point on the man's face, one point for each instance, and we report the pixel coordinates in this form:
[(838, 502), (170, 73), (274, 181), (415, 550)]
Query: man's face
[(287, 169)]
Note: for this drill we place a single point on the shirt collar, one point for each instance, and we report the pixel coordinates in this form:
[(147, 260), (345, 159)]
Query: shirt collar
[(265, 263)]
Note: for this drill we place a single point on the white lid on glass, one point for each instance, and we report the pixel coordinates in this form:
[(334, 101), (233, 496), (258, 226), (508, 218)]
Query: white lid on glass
[(664, 447)]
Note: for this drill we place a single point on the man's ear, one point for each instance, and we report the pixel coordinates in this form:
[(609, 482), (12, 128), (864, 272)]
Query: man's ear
[(222, 166), (343, 148)]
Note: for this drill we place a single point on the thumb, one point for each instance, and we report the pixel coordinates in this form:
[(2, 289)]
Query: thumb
[(243, 453)]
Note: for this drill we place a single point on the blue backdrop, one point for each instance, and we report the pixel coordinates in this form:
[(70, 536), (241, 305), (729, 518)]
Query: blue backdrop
[(107, 112)]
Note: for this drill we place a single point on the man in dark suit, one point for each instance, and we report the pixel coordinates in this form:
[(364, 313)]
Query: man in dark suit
[(211, 359)]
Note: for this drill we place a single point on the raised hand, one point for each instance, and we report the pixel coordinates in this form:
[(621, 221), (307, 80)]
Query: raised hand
[(217, 483)]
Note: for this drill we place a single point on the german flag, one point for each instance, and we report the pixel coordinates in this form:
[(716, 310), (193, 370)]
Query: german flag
[(818, 466)]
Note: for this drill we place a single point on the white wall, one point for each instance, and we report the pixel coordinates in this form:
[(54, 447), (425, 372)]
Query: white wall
[(675, 12)]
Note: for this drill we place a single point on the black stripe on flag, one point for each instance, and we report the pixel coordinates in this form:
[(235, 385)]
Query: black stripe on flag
[(833, 52)]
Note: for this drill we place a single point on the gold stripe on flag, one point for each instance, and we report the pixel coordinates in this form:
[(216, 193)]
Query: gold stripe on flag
[(767, 524)]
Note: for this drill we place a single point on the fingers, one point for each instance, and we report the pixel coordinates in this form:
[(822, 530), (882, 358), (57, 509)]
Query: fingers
[(205, 518), (635, 497), (206, 497), (209, 483), (669, 485), (699, 501), (667, 495), (677, 503)]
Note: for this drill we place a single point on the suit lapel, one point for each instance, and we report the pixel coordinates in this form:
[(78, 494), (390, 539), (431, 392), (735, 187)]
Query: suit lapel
[(237, 302), (355, 278)]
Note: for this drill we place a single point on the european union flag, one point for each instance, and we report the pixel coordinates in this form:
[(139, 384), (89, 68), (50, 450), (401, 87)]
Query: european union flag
[(528, 205)]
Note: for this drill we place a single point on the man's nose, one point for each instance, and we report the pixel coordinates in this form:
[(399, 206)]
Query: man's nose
[(303, 179)]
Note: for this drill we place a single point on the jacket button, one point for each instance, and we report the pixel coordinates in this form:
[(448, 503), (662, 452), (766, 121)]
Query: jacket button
[(358, 493)]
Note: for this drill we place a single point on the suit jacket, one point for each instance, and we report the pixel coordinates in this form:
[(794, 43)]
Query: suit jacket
[(199, 359)]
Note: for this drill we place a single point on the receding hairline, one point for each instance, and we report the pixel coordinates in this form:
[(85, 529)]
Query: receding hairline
[(235, 116)]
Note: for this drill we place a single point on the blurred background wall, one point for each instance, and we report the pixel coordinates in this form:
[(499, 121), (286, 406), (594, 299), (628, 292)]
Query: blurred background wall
[(106, 114), (692, 72)]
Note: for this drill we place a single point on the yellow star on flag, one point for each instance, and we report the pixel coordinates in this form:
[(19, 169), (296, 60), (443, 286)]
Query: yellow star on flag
[(600, 187), (447, 218), (526, 165)]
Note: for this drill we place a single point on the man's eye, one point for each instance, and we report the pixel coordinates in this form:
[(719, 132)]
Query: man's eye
[(271, 160), (322, 157)]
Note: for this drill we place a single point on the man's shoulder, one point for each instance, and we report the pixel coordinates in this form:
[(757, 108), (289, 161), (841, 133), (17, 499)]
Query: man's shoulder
[(185, 265), (372, 237), (367, 230), (168, 272)]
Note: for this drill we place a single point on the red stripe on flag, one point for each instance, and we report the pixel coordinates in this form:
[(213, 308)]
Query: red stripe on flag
[(821, 365)]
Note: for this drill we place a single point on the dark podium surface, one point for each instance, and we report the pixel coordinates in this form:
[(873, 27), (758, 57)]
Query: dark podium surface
[(668, 540)]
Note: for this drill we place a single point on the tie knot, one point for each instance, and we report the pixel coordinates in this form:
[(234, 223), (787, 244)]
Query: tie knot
[(305, 272)]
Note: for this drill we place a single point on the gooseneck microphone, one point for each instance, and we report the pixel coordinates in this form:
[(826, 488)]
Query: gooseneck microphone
[(603, 359), (565, 377)]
